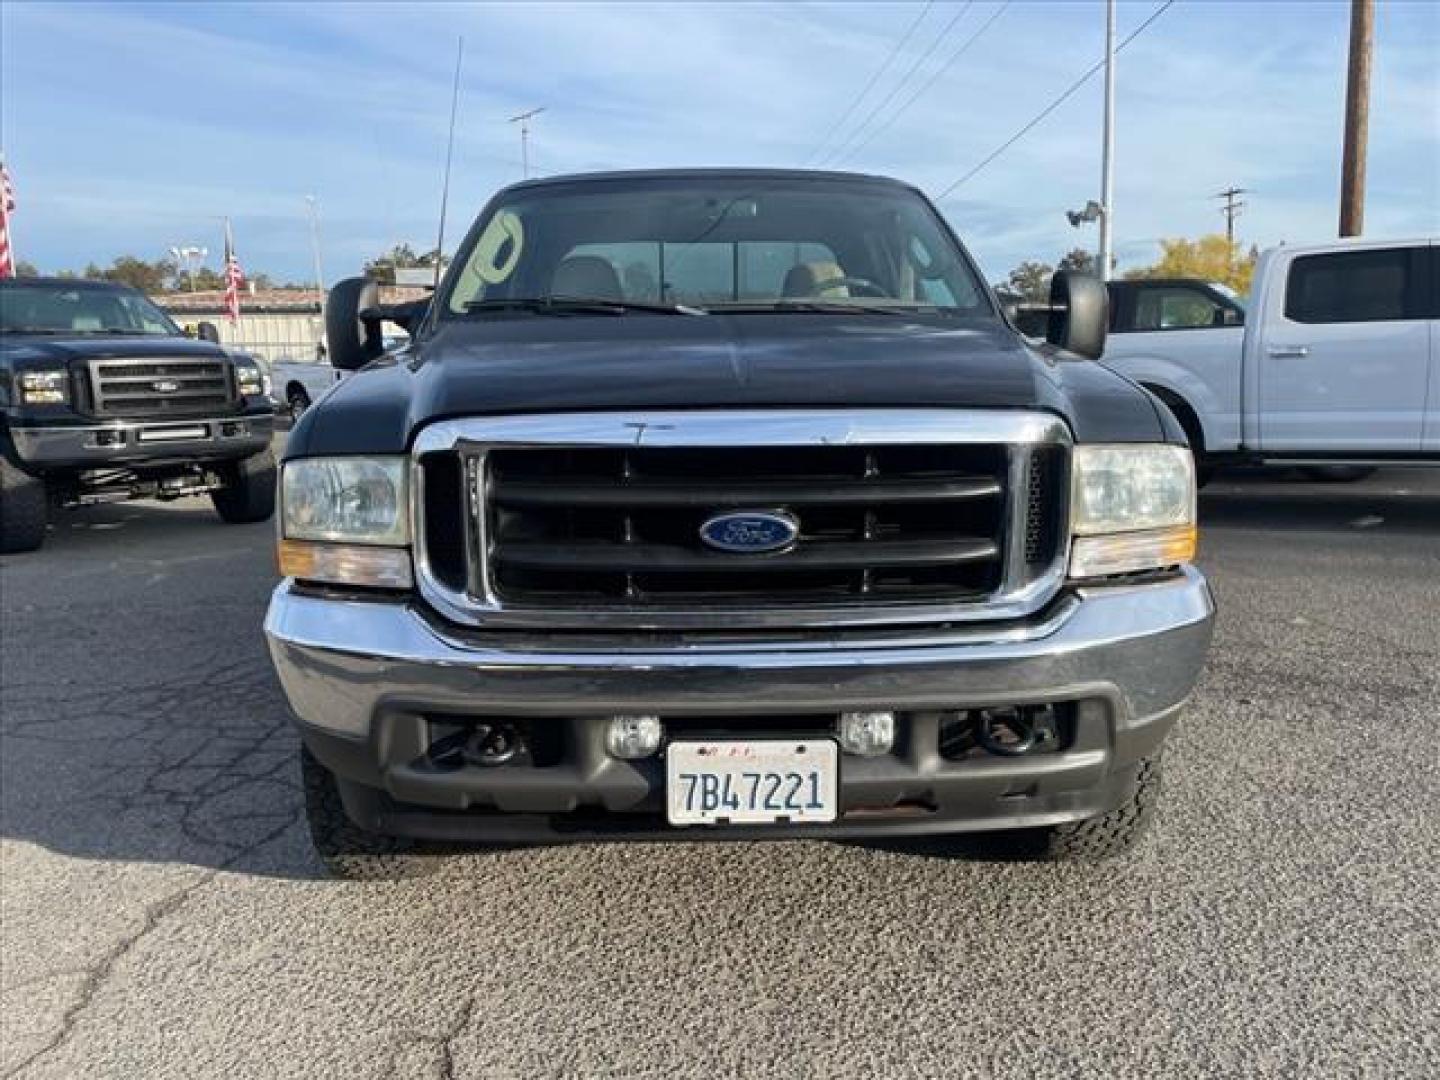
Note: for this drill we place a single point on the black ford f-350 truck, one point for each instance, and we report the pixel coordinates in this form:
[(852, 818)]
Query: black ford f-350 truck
[(103, 398), (729, 504)]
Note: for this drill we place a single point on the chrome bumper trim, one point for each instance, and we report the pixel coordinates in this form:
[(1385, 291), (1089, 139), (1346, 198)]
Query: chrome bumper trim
[(55, 446), (342, 663)]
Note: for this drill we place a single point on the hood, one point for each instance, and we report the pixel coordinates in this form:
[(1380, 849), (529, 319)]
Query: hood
[(639, 362), (48, 348)]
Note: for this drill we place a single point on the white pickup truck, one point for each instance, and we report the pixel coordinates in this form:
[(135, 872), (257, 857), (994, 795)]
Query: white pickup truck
[(1336, 362)]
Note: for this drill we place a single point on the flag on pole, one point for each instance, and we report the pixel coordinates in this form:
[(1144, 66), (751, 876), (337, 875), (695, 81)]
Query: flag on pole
[(234, 277), (7, 207)]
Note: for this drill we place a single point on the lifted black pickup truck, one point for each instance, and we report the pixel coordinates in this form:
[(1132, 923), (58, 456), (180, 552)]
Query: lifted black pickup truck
[(102, 397), (727, 504)]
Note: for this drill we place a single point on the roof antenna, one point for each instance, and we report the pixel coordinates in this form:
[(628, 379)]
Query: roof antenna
[(449, 155)]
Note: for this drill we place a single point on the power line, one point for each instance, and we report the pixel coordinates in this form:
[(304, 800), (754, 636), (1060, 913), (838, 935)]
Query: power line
[(1057, 102), (841, 150), (879, 72), (934, 77)]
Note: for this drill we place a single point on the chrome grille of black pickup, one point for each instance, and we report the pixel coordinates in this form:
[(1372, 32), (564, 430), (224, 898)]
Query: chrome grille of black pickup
[(161, 387), (599, 525)]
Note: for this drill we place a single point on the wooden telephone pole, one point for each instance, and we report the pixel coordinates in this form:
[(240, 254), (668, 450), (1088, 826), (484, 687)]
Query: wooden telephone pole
[(1357, 118)]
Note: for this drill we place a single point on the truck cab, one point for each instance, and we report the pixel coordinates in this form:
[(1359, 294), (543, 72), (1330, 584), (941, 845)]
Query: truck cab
[(1336, 365)]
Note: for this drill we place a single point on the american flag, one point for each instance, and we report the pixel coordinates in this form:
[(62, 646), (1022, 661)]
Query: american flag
[(7, 207), (234, 277)]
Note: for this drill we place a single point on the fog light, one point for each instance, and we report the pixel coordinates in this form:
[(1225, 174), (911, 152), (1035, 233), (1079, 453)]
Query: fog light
[(868, 734), (633, 737)]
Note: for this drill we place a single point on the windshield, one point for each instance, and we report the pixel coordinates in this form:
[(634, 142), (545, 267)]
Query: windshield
[(59, 309), (706, 244)]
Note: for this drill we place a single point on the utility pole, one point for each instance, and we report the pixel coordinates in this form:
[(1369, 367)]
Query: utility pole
[(1107, 167), (1231, 210), (1357, 118), (524, 121), (314, 206)]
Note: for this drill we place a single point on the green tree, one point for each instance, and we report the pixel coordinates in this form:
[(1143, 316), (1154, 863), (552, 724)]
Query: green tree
[(24, 268), (137, 273), (1028, 283), (1079, 261), (1210, 258), (402, 255)]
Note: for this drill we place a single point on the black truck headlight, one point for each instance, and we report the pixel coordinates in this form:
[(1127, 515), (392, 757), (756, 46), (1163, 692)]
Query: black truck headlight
[(346, 520), (1133, 508), (44, 387), (250, 379)]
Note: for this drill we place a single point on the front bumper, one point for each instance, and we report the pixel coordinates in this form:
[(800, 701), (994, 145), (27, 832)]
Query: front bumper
[(366, 677), (122, 443)]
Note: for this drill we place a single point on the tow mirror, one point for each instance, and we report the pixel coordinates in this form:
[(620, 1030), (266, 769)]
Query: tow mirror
[(207, 331), (1079, 314), (352, 323)]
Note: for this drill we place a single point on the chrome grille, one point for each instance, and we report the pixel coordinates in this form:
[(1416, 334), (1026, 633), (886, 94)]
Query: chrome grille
[(168, 387), (593, 520), (877, 522)]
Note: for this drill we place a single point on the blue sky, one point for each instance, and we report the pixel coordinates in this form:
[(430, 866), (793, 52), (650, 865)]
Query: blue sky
[(129, 128)]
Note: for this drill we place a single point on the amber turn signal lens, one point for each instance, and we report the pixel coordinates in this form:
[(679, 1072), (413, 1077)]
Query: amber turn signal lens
[(346, 564), (1128, 553)]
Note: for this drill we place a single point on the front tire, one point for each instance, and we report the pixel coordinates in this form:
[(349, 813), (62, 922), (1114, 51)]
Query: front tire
[(1093, 839), (298, 401), (348, 851), (248, 494), (22, 509)]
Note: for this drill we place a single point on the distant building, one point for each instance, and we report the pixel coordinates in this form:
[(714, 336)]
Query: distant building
[(277, 324)]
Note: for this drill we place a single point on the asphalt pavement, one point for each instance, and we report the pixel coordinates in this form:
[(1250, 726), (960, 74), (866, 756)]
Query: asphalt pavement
[(161, 914)]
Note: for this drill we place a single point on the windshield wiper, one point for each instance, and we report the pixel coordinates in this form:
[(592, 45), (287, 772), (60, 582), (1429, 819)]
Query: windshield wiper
[(33, 330), (578, 305), (826, 306)]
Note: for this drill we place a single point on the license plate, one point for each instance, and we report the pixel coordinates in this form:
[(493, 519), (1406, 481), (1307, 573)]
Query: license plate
[(757, 782)]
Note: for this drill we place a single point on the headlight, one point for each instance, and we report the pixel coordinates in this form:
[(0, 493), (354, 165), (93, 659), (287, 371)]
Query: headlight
[(346, 520), (250, 379), (1132, 508), (349, 500), (44, 387)]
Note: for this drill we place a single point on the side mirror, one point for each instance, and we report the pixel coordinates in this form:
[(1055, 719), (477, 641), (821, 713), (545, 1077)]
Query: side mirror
[(1079, 314), (352, 324), (207, 331)]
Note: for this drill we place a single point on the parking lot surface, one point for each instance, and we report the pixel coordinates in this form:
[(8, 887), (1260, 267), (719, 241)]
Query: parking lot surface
[(163, 916)]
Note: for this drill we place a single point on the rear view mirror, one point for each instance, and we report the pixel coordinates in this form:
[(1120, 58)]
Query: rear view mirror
[(1079, 314), (207, 331)]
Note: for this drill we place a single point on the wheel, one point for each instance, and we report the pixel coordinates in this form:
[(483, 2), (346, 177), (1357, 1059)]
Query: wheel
[(1338, 474), (1094, 838), (249, 491), (298, 400), (347, 850), (22, 509)]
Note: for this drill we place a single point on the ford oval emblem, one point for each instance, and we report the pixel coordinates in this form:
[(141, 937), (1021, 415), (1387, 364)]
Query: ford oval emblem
[(751, 532), (165, 386)]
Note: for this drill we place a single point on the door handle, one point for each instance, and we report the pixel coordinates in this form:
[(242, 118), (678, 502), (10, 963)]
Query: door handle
[(1298, 352)]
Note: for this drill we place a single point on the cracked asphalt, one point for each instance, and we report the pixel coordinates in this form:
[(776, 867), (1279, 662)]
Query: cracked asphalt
[(163, 917)]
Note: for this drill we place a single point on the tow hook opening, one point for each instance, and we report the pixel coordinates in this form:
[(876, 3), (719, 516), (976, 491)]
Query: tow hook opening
[(1007, 731)]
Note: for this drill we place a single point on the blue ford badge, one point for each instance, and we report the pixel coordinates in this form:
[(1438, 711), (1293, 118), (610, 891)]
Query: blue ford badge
[(750, 532)]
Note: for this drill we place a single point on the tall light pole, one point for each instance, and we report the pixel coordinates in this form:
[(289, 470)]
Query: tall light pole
[(314, 206), (1107, 166), (524, 121)]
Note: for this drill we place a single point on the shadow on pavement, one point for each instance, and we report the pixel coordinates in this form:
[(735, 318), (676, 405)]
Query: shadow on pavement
[(1395, 500)]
